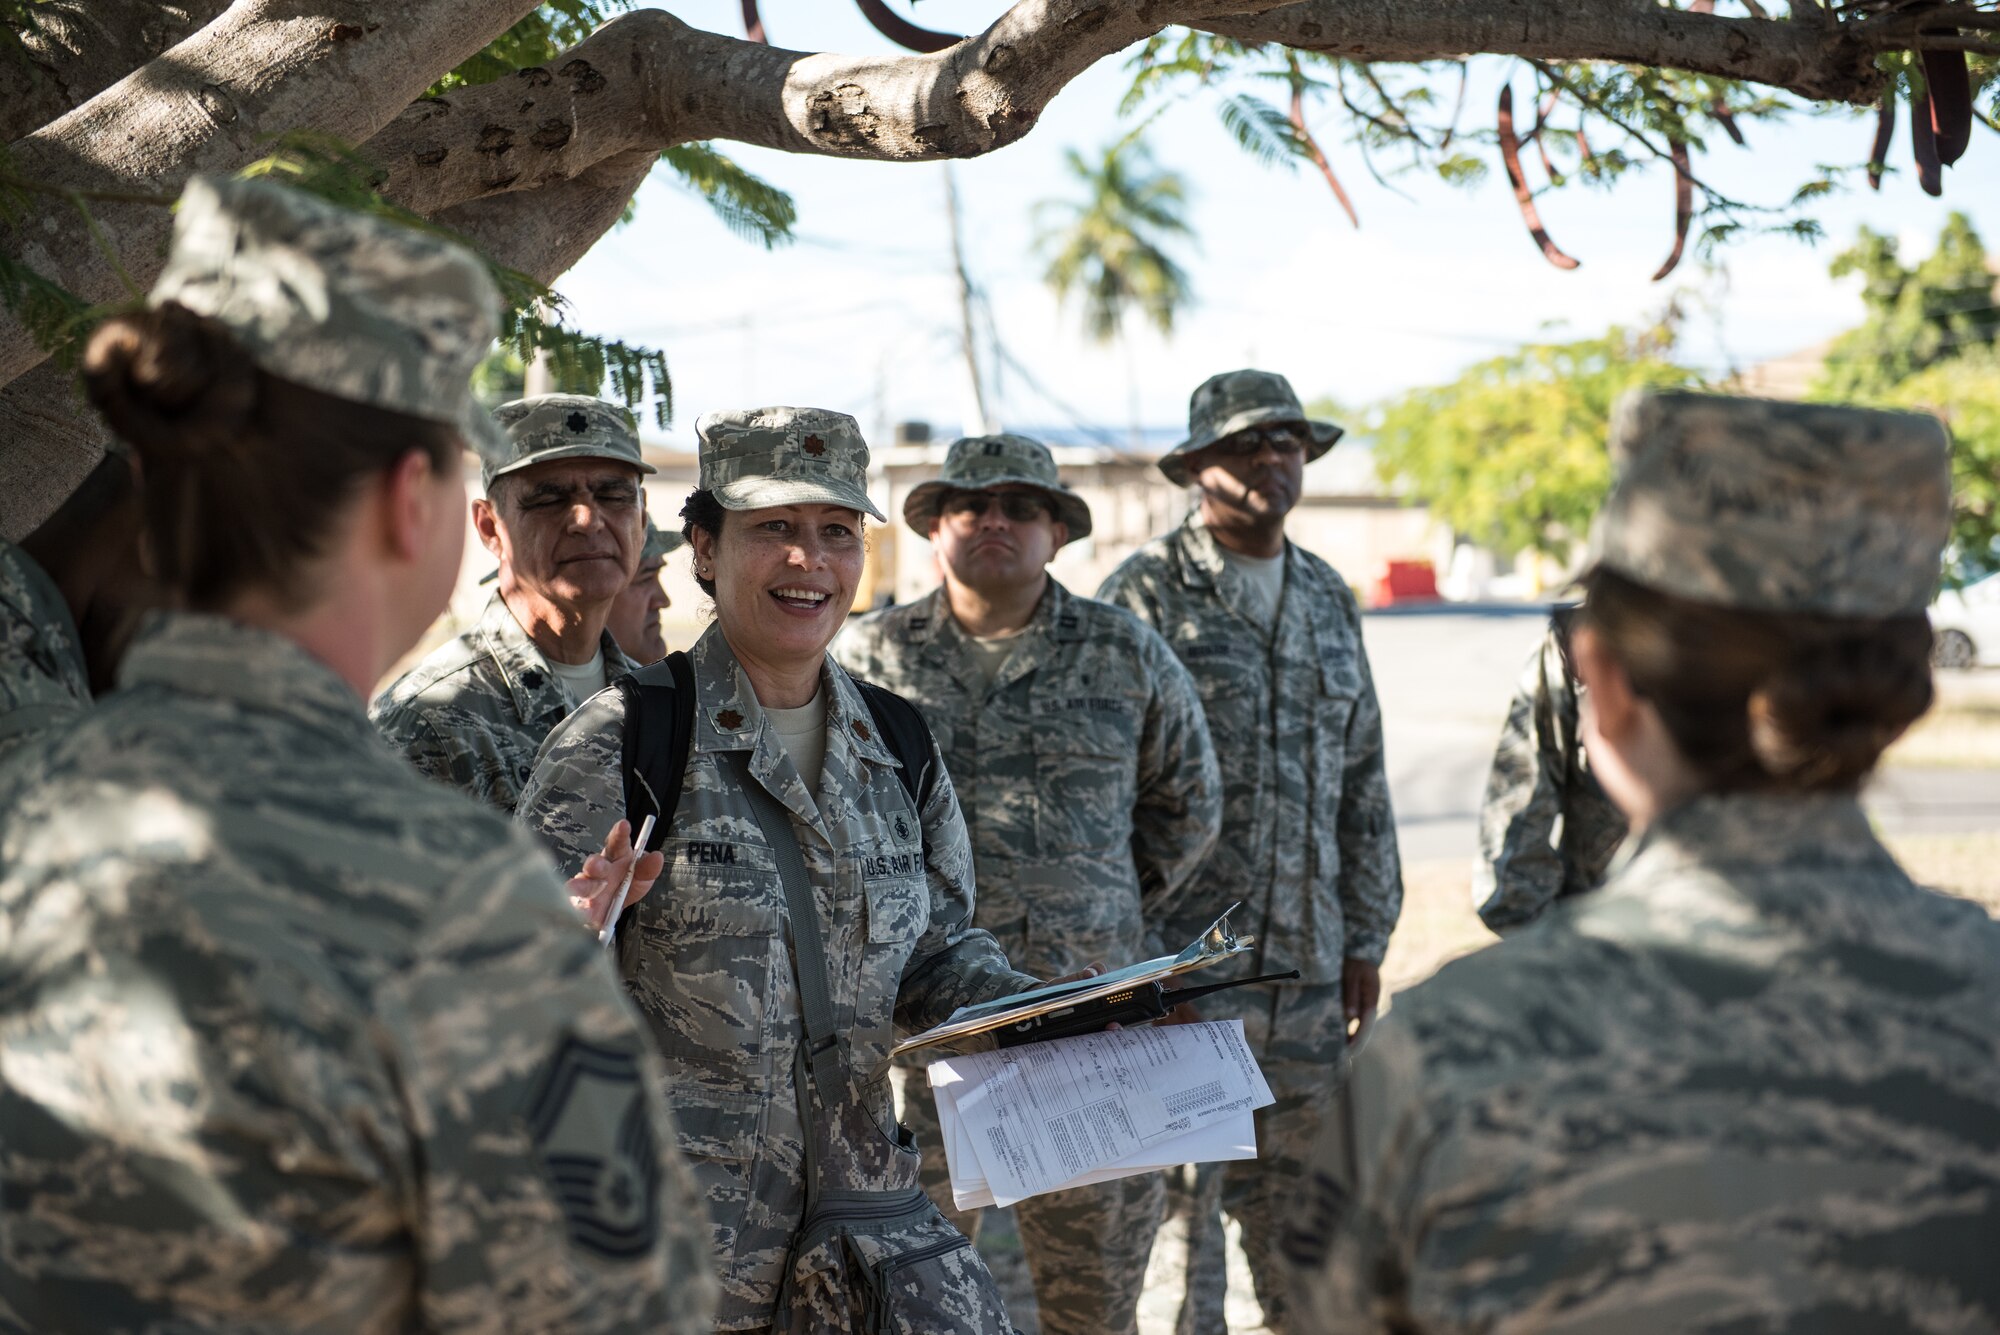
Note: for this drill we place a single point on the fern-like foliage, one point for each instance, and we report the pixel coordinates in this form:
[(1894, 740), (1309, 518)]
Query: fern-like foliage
[(748, 205)]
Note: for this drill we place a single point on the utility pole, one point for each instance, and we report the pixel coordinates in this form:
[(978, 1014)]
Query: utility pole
[(971, 349)]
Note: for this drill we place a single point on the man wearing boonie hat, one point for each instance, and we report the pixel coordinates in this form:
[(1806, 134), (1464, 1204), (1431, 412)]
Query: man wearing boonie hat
[(1272, 637), (635, 615), (1076, 742), (1753, 1082), (564, 513)]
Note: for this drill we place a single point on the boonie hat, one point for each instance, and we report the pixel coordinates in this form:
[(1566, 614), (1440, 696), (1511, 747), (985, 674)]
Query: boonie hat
[(979, 463), (1778, 507), (346, 303), (561, 426), (755, 457), (1235, 401)]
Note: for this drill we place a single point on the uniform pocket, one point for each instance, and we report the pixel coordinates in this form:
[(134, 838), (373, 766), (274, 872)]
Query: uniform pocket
[(719, 1134), (707, 945)]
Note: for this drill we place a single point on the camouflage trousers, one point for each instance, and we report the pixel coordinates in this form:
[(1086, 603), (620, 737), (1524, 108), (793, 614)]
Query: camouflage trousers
[(1298, 1034), (1086, 1248)]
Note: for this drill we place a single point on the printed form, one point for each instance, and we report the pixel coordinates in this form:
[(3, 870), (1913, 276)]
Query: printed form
[(1046, 1116)]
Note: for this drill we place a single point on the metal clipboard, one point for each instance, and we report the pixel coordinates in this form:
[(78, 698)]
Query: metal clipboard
[(1213, 946)]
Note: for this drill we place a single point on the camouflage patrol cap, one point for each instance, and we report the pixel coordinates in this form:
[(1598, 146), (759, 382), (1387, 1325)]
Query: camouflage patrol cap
[(1234, 401), (660, 542), (561, 426), (754, 457), (977, 463), (346, 303), (1778, 507)]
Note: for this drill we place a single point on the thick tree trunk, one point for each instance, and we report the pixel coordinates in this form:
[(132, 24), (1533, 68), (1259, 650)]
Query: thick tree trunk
[(211, 104), (78, 48)]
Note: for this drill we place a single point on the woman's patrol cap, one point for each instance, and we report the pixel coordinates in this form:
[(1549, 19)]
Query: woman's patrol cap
[(757, 457), (352, 305), (1777, 507)]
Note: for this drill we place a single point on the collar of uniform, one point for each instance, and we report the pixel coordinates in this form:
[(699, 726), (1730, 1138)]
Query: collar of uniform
[(1759, 830), (198, 654), (1203, 567), (1202, 563), (31, 600), (728, 716), (539, 695), (926, 618)]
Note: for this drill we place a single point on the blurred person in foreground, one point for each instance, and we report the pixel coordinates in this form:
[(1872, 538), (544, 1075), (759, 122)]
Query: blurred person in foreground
[(1272, 637), (1547, 830), (776, 1021), (565, 516), (635, 614), (1076, 741), (1753, 1083), (291, 1037)]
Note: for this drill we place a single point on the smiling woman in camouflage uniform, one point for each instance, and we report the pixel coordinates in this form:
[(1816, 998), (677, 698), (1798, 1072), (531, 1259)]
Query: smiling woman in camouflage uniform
[(290, 1037), (810, 1182), (1753, 1083)]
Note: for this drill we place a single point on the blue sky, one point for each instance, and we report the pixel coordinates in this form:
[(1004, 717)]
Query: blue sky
[(861, 313)]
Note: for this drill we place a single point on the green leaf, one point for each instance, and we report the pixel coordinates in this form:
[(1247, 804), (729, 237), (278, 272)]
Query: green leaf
[(748, 205), (1262, 131)]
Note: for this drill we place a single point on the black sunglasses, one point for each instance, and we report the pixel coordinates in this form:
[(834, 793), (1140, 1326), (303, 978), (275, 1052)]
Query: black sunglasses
[(1283, 439), (1019, 506)]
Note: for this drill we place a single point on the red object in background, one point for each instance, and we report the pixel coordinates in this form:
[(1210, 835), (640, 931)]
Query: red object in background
[(1404, 582)]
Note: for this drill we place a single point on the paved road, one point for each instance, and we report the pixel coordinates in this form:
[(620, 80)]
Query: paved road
[(1444, 678)]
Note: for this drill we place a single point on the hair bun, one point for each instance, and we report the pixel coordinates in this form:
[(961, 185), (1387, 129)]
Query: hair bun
[(170, 382), (1824, 719)]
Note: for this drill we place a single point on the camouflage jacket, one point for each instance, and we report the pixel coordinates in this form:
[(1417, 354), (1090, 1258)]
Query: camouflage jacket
[(43, 681), (1086, 774), (476, 709), (707, 955), (1546, 828), (293, 1039), (1752, 1084), (1308, 841)]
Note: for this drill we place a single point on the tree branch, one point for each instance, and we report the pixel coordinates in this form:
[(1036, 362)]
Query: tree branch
[(646, 80), (209, 104), (1818, 60)]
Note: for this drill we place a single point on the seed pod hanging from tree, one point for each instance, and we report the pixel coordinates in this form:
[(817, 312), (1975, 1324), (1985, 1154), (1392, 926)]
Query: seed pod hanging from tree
[(1510, 157)]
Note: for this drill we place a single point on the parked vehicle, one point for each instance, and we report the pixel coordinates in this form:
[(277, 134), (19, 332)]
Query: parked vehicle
[(1965, 624)]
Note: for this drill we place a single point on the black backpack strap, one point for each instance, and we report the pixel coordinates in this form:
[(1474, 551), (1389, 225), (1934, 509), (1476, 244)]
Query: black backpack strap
[(908, 738), (659, 730)]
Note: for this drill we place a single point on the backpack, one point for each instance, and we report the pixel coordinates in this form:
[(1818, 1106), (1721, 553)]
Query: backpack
[(659, 731)]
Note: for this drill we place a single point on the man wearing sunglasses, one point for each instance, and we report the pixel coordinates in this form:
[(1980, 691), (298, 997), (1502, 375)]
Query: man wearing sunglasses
[(1076, 743), (1272, 637)]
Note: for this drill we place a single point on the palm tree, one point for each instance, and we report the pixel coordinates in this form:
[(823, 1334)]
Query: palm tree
[(1109, 248)]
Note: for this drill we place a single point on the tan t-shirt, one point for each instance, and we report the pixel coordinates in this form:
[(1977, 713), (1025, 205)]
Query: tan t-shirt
[(1266, 578), (802, 732)]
